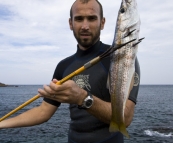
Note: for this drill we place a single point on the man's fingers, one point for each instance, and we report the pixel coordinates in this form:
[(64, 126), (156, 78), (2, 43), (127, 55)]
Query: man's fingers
[(46, 91), (61, 93), (55, 80), (42, 92), (56, 87)]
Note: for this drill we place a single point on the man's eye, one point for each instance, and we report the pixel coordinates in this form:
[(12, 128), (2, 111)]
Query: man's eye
[(92, 18), (78, 18)]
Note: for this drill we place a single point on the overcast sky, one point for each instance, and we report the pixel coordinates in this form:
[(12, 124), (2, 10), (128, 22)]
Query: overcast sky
[(35, 36)]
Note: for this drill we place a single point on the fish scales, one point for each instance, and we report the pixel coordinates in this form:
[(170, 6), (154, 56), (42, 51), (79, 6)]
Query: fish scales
[(122, 66)]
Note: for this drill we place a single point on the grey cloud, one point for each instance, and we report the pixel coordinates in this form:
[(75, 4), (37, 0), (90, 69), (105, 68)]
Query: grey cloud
[(37, 33)]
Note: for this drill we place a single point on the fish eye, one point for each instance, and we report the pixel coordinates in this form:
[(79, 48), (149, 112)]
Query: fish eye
[(122, 10)]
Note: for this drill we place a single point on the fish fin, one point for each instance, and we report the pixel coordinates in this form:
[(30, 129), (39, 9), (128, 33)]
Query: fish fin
[(115, 128), (124, 131)]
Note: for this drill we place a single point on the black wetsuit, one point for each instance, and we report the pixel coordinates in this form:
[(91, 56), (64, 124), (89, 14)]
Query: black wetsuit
[(85, 128)]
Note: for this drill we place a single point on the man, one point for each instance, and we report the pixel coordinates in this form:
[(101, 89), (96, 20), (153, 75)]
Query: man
[(89, 99)]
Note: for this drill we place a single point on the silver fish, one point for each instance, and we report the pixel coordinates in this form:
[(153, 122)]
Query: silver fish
[(122, 66)]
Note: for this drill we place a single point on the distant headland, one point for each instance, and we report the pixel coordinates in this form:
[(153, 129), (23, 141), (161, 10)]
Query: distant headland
[(5, 85)]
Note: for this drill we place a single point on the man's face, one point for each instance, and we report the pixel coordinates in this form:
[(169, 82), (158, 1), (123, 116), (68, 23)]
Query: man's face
[(86, 23)]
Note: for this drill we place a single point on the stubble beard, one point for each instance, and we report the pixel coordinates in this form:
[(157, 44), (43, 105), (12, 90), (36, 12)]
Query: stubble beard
[(88, 42)]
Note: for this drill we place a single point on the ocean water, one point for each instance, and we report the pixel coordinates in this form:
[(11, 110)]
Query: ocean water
[(152, 123)]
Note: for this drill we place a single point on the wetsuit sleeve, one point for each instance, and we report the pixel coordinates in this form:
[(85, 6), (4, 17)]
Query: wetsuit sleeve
[(52, 102), (134, 92), (57, 76)]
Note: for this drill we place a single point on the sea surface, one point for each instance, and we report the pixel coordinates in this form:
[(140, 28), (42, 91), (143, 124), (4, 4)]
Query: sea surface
[(152, 123)]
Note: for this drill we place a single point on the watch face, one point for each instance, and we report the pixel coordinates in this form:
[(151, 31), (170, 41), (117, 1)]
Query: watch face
[(89, 103)]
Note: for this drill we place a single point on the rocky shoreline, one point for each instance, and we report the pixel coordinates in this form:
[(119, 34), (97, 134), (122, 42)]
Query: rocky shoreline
[(5, 85)]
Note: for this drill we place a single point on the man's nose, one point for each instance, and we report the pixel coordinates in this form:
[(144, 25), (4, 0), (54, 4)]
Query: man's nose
[(85, 25)]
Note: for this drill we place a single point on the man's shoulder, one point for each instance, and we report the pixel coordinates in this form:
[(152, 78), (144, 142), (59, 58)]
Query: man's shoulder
[(67, 60), (105, 46), (62, 65)]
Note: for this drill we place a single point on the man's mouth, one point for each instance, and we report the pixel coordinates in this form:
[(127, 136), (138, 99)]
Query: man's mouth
[(85, 35)]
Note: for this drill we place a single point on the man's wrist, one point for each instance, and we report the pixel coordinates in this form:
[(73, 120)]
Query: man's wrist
[(87, 102), (83, 95)]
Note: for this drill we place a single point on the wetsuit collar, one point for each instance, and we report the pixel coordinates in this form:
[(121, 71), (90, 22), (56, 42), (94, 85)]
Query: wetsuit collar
[(91, 52)]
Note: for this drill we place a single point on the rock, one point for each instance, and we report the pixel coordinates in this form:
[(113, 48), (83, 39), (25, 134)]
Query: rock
[(2, 85), (5, 85)]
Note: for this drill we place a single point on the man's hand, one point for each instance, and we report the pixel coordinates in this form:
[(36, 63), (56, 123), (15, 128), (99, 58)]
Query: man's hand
[(68, 92)]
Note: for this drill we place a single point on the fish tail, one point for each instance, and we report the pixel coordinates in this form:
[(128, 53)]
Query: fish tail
[(124, 131), (114, 128)]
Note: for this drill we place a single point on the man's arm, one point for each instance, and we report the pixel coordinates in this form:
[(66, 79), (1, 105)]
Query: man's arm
[(104, 111), (69, 92), (31, 117)]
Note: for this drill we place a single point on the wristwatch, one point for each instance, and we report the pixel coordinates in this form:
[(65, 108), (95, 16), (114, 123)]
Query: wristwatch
[(88, 102)]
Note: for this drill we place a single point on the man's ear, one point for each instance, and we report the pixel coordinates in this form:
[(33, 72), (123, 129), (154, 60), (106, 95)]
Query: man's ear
[(70, 24), (103, 23)]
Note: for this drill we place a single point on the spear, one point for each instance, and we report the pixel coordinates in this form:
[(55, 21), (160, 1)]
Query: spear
[(78, 71)]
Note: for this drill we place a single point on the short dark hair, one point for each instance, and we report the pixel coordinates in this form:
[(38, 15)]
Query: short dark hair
[(86, 1)]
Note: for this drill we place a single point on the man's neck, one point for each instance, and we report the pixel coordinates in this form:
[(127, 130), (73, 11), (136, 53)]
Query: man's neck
[(85, 48)]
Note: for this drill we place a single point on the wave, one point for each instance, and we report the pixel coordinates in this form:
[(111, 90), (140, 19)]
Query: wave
[(157, 134)]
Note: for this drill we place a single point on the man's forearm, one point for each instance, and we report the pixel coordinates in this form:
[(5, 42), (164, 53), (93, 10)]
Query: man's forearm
[(103, 111), (31, 117), (28, 118), (129, 112)]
